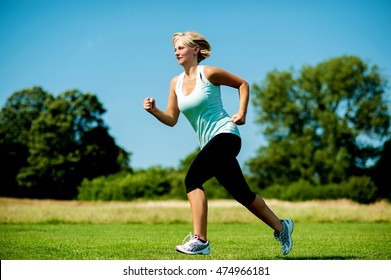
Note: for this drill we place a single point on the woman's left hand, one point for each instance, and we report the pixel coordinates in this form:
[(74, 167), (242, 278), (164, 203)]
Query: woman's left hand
[(239, 119)]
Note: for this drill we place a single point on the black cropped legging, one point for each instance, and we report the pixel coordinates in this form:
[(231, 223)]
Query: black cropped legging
[(218, 159)]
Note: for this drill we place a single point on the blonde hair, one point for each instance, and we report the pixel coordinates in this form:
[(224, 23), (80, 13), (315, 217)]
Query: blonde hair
[(193, 39)]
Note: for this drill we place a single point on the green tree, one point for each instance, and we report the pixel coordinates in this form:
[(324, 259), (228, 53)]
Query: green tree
[(323, 124), (66, 141), (16, 119)]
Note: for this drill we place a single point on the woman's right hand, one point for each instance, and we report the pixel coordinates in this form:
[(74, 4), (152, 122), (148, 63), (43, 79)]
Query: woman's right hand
[(149, 104), (170, 116)]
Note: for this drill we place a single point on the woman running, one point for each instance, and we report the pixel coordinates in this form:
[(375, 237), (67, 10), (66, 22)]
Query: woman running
[(196, 93)]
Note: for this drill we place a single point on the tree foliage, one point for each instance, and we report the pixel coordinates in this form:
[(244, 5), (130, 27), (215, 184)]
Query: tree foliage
[(16, 119), (323, 124), (51, 143)]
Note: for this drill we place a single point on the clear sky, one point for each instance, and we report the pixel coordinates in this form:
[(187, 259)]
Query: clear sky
[(121, 51)]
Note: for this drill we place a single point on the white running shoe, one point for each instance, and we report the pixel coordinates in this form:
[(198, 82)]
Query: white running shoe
[(194, 246), (285, 236)]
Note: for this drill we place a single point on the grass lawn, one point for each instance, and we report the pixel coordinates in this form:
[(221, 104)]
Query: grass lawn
[(318, 241), (72, 230)]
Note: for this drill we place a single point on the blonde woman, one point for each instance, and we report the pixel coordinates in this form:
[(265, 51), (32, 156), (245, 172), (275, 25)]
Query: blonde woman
[(196, 93)]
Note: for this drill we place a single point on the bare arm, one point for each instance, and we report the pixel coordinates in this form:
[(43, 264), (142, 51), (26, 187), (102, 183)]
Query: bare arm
[(218, 76), (171, 115)]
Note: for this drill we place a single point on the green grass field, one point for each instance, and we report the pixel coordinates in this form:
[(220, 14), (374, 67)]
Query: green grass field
[(59, 230)]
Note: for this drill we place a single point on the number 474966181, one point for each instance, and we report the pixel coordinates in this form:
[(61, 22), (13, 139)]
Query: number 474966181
[(226, 270)]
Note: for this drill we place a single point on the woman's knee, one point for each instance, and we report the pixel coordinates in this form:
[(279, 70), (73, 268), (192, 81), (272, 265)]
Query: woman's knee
[(244, 198), (191, 183)]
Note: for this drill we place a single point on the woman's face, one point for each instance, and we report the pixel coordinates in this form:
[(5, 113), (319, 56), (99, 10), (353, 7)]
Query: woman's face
[(184, 53)]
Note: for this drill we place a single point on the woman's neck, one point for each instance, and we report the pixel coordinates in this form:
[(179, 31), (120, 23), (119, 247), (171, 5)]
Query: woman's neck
[(191, 71)]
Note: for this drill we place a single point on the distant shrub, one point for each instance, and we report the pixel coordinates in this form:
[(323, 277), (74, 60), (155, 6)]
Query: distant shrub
[(151, 183), (298, 191), (361, 189), (166, 183), (330, 191)]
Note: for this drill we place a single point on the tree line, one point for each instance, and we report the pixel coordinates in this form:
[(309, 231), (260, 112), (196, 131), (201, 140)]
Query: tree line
[(324, 125), (327, 128), (49, 144)]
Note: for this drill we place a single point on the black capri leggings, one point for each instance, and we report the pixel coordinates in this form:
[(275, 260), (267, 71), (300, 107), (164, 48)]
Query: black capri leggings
[(218, 159)]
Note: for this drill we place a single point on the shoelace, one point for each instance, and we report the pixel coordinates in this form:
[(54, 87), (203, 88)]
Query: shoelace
[(282, 236), (190, 236)]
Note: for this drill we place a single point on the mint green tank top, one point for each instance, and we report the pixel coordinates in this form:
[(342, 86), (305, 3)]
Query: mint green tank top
[(204, 109)]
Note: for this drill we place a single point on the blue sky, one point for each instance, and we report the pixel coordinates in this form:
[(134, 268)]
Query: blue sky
[(121, 51)]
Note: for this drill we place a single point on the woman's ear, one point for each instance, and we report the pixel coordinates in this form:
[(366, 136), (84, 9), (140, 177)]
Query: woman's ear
[(197, 50)]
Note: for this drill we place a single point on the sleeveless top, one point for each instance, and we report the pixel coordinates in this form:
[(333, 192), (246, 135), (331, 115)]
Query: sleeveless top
[(203, 108)]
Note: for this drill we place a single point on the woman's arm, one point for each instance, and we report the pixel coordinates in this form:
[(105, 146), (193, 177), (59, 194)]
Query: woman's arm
[(218, 76), (171, 115)]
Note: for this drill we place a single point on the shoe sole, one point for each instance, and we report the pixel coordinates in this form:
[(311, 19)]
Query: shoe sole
[(203, 252)]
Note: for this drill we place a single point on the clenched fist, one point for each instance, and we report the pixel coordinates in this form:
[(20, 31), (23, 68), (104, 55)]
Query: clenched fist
[(149, 104), (239, 119)]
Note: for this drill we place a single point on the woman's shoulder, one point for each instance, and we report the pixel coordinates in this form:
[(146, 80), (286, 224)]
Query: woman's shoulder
[(211, 71), (175, 78)]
